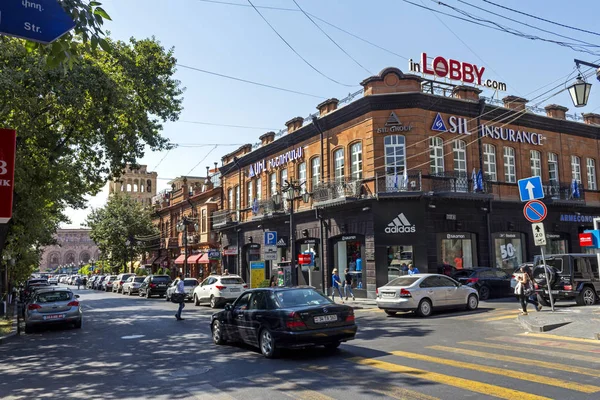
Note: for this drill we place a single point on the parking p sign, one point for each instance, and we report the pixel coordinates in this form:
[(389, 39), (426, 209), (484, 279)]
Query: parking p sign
[(270, 238)]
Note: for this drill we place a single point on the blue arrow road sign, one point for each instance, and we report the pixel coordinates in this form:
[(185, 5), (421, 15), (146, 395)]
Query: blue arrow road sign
[(42, 21), (270, 238), (531, 188), (535, 211)]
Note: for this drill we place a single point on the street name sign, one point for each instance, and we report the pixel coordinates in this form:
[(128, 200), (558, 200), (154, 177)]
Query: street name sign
[(535, 211), (531, 188), (41, 21), (270, 238), (270, 252), (539, 235)]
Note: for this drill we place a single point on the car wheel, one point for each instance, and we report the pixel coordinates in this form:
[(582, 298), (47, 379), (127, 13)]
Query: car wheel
[(28, 329), (587, 297), (78, 324), (217, 333), (332, 346), (484, 293), (267, 344), (424, 309), (213, 302), (196, 301), (472, 303), (390, 312)]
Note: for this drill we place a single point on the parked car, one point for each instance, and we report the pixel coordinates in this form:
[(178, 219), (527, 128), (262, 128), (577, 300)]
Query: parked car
[(90, 282), (188, 284), (118, 283), (422, 293), (154, 285), (489, 282), (276, 318), (53, 306), (572, 277), (217, 289), (98, 282), (107, 283), (53, 281), (29, 284), (132, 284)]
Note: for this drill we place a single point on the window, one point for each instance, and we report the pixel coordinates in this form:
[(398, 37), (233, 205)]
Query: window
[(553, 168), (338, 169), (460, 157), (302, 174), (259, 189), (510, 171), (273, 184), (238, 200), (242, 302), (203, 220), (489, 161), (315, 170), (436, 151), (230, 199), (591, 174), (508, 249), (250, 194), (395, 161), (259, 301), (356, 161), (576, 168), (283, 175), (536, 163)]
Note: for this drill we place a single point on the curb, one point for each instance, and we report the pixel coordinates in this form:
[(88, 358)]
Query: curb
[(14, 331), (533, 327)]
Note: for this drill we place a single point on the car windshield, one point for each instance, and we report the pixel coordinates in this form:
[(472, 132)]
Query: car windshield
[(300, 297), (402, 281), (190, 282), (232, 281), (139, 279), (160, 279), (50, 297)]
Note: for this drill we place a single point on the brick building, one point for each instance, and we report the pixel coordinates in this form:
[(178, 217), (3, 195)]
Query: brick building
[(391, 181)]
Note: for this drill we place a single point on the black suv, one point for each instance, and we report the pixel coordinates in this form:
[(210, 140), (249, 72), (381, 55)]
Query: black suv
[(572, 277), (154, 285)]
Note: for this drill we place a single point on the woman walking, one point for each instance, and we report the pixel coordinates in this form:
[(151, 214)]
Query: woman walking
[(336, 284), (523, 289)]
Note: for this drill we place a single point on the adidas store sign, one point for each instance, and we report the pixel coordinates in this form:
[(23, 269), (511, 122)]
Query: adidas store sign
[(400, 225)]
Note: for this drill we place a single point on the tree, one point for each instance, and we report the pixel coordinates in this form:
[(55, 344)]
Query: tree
[(120, 220), (77, 130)]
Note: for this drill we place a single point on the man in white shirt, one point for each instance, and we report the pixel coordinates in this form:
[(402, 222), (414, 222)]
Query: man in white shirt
[(180, 289)]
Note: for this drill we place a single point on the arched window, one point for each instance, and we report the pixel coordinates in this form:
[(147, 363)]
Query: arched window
[(591, 174), (436, 155), (302, 173), (338, 164), (489, 161), (576, 168), (149, 185), (259, 189), (356, 167)]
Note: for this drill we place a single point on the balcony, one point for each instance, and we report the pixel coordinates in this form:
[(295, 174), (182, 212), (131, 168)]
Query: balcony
[(457, 182), (223, 218), (326, 193), (391, 185), (557, 193), (266, 208)]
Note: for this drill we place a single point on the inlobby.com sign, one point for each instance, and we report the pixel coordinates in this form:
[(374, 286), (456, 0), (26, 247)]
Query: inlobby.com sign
[(455, 70)]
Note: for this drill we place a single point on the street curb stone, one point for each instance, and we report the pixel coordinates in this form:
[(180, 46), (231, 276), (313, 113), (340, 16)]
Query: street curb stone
[(532, 326), (14, 331)]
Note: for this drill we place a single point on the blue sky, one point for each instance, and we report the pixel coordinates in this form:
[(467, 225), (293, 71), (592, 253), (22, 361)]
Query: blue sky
[(235, 41)]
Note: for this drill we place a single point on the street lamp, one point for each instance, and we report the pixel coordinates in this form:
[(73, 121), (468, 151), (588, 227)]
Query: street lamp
[(580, 90), (182, 227)]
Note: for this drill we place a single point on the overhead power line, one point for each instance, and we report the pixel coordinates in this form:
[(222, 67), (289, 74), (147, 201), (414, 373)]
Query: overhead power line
[(294, 50), (542, 19), (229, 126), (250, 82)]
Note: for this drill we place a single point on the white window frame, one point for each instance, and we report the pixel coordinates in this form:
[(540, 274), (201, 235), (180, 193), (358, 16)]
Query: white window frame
[(356, 165), (459, 151), (553, 169), (315, 170), (536, 163), (273, 184), (576, 168), (489, 162), (510, 167), (591, 174), (230, 198), (302, 173), (338, 162), (436, 154), (249, 193), (259, 189), (238, 198)]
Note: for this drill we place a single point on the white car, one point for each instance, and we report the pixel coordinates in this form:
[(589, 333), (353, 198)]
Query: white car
[(53, 281), (132, 285), (217, 289), (189, 284)]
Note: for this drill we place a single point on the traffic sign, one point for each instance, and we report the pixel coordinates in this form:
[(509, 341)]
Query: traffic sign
[(531, 188), (270, 238), (535, 211), (270, 253), (42, 21), (539, 235)]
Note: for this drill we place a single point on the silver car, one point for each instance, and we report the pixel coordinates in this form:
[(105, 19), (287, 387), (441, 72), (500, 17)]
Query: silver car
[(132, 284), (53, 306), (188, 285), (424, 292)]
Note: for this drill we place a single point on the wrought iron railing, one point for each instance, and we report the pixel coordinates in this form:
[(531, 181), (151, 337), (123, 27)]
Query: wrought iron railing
[(224, 217), (266, 207), (556, 191), (458, 182), (336, 190), (394, 183)]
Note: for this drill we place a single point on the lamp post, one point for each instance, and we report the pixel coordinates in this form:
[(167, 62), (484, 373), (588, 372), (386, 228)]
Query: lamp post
[(292, 189), (182, 227), (127, 244), (580, 90)]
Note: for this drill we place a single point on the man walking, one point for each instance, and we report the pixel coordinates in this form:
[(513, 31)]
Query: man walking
[(180, 291), (336, 284), (348, 284)]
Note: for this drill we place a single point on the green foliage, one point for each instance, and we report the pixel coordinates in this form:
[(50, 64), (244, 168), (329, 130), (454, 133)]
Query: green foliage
[(264, 283), (141, 271), (85, 270)]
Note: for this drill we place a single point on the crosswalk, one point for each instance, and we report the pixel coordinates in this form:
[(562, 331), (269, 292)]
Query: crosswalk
[(523, 367), (500, 314)]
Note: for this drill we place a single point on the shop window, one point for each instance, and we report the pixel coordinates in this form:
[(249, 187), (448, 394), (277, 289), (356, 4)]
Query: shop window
[(508, 250), (259, 189), (510, 170), (338, 168), (576, 168), (536, 163), (436, 154), (553, 169), (398, 259), (356, 167), (315, 171), (489, 161), (347, 254), (457, 250), (591, 174), (558, 245)]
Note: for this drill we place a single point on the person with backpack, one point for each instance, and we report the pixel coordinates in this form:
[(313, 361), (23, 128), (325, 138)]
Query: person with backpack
[(348, 284), (524, 289)]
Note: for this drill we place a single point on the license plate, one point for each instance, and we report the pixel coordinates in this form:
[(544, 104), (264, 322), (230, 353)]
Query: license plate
[(325, 318), (53, 316), (388, 294), (235, 290), (553, 291), (162, 285)]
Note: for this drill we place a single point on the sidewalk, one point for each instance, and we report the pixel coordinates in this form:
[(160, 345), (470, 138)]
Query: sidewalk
[(14, 331), (358, 303), (576, 322)]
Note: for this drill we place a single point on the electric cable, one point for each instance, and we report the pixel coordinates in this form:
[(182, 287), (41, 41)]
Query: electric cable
[(228, 126), (202, 160)]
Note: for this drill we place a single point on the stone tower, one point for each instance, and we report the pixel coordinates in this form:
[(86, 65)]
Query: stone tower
[(139, 184)]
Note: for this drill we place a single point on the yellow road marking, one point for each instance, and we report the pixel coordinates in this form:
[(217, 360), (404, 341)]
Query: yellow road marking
[(548, 343), (389, 390), (523, 349), (466, 384), (502, 372), (286, 387), (487, 314), (519, 360), (566, 338), (499, 318)]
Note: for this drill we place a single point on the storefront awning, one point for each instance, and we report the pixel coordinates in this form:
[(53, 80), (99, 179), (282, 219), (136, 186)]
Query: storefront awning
[(180, 259), (159, 260), (203, 259), (193, 259)]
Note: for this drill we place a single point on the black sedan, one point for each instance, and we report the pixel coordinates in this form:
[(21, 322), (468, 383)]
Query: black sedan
[(276, 318), (489, 282)]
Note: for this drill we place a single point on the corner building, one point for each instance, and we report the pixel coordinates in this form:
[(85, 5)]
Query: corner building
[(390, 182)]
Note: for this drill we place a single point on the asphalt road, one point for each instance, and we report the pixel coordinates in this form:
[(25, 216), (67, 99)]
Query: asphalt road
[(133, 348)]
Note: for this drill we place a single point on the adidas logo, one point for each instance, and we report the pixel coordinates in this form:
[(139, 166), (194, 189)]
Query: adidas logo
[(281, 243), (400, 225)]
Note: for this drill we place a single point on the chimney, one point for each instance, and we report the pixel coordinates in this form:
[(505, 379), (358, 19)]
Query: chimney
[(466, 93), (247, 148), (515, 103), (327, 106), (591, 118), (267, 138), (294, 124), (556, 111), (391, 80)]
